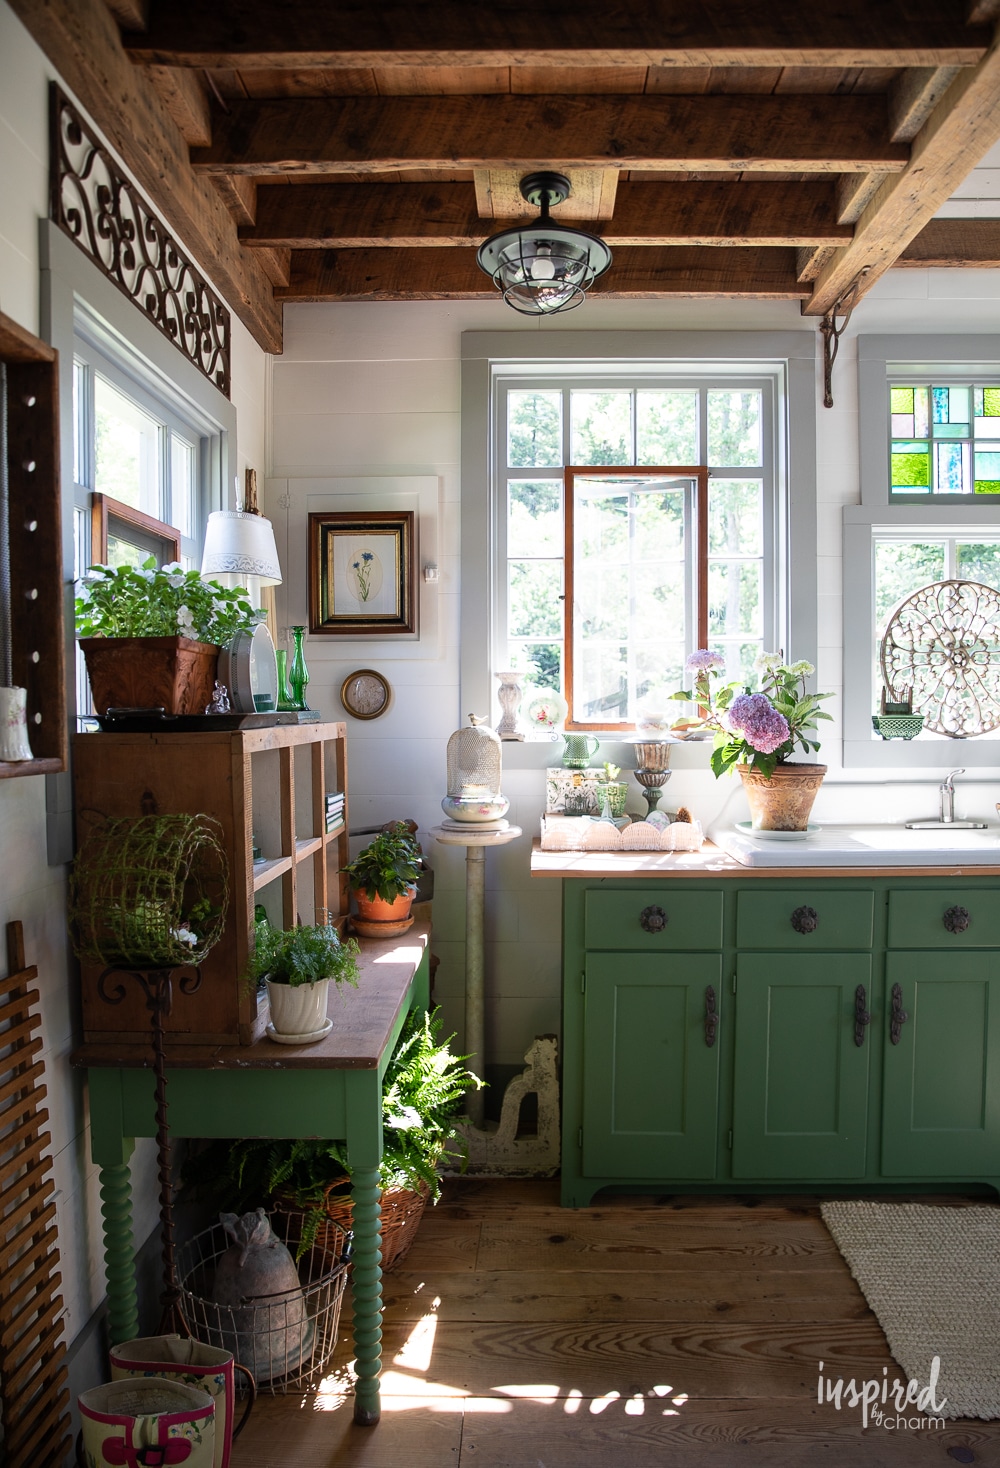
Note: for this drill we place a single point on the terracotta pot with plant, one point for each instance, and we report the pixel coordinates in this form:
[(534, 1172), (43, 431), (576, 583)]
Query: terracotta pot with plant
[(383, 879), (757, 732), (298, 967), (151, 635)]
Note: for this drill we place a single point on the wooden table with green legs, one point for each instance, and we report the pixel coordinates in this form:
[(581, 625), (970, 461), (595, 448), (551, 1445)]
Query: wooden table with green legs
[(332, 1089)]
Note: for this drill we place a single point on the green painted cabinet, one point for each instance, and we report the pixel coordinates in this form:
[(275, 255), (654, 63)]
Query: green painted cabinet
[(725, 1030), (651, 1064), (800, 1089)]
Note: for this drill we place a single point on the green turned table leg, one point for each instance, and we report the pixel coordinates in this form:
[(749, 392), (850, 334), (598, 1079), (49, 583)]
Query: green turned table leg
[(364, 1150), (111, 1150)]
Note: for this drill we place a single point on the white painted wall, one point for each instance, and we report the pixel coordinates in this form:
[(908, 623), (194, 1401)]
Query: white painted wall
[(30, 889), (369, 394)]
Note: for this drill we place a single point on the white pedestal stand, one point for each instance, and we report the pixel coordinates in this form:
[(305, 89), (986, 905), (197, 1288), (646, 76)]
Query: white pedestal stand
[(476, 843)]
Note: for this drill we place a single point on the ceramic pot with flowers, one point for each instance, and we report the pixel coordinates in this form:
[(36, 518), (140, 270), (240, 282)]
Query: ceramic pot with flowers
[(757, 732)]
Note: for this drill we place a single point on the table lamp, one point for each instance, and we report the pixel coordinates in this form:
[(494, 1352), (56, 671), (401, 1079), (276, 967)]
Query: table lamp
[(240, 551)]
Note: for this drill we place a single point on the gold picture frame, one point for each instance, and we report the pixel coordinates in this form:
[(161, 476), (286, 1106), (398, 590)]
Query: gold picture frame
[(362, 573)]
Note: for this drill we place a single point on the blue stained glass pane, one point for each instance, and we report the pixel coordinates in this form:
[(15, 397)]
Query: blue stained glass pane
[(940, 398), (958, 405), (988, 466), (950, 477), (951, 430)]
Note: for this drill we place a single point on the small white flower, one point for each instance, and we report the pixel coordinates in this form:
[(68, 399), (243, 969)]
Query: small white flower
[(802, 669), (183, 934), (185, 619), (767, 662), (148, 575)]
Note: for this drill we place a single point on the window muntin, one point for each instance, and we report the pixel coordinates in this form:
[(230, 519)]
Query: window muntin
[(944, 438), (541, 428)]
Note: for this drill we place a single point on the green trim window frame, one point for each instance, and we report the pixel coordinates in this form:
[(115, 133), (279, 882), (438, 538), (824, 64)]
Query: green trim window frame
[(899, 538), (641, 571)]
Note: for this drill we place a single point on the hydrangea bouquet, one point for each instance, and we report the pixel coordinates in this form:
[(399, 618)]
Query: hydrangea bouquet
[(759, 728), (159, 601)]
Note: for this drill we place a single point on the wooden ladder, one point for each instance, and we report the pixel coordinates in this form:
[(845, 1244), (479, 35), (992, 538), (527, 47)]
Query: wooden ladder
[(33, 1396)]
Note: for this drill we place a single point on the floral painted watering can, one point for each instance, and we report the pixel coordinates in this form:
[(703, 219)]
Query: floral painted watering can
[(206, 1368)]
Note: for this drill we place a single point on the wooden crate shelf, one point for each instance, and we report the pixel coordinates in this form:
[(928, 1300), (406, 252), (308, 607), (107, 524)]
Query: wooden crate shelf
[(271, 782)]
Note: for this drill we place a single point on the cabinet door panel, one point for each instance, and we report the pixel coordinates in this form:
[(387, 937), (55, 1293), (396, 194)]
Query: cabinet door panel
[(615, 918), (842, 919), (941, 1103), (917, 919), (651, 1082), (800, 1099)]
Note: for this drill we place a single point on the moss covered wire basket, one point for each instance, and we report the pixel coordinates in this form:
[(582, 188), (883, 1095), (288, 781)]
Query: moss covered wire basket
[(150, 892), (284, 1339), (330, 1222)]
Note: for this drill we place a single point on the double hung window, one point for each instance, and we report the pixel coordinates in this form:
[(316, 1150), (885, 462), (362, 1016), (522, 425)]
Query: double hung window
[(637, 518)]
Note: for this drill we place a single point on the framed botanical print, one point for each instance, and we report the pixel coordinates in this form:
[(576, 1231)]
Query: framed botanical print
[(361, 573)]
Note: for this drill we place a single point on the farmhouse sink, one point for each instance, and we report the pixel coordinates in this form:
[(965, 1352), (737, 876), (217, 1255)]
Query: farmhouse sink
[(866, 846)]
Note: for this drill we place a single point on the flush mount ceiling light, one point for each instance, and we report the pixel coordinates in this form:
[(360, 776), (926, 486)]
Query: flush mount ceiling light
[(543, 267)]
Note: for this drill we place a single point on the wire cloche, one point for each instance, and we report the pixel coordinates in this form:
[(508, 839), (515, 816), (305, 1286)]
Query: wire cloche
[(474, 776)]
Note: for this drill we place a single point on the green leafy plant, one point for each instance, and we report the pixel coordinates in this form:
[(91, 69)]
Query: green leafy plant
[(389, 865), (422, 1093), (609, 774), (160, 601), (302, 955), (759, 728)]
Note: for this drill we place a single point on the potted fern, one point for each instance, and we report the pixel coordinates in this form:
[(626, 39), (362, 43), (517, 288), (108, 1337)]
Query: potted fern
[(383, 878), (298, 966), (310, 1179)]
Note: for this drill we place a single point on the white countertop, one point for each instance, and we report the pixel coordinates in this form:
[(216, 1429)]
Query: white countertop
[(863, 846)]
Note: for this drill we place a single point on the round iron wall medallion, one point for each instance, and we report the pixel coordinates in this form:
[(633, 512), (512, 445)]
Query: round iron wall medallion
[(365, 694)]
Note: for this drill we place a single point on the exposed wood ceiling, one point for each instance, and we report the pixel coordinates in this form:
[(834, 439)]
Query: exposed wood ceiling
[(768, 148)]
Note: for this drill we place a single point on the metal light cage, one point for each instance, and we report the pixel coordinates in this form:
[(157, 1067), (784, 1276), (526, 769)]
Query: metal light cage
[(474, 762), (542, 267)]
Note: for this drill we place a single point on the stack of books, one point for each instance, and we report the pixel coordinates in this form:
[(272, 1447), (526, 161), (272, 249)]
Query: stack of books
[(334, 810)]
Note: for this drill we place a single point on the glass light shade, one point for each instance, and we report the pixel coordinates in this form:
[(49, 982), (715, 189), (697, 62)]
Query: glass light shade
[(242, 545), (541, 268)]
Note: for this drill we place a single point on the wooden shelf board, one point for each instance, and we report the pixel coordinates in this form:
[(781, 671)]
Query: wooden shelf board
[(11, 768), (266, 871), (308, 847)]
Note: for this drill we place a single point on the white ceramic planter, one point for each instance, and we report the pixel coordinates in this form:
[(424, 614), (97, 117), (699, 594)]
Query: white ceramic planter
[(298, 1009)]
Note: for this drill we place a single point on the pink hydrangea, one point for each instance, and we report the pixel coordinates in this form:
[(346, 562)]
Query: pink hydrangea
[(704, 661), (754, 716)]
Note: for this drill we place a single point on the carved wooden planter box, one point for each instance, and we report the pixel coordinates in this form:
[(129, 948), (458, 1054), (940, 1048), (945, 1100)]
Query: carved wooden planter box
[(173, 673)]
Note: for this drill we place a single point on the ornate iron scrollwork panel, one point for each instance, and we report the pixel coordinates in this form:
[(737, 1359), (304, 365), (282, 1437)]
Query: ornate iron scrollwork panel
[(97, 206)]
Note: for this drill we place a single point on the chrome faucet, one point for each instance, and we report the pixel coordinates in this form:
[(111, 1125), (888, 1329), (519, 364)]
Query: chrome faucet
[(947, 794), (947, 816)]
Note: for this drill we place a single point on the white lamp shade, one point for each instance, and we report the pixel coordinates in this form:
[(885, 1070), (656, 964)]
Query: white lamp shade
[(239, 544)]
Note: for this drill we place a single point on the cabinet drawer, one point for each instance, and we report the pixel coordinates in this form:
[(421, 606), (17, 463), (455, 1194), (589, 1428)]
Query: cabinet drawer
[(801, 918), (944, 917), (654, 919)]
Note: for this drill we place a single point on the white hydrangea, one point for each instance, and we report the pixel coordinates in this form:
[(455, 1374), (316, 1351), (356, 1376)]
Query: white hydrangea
[(802, 669), (767, 662)]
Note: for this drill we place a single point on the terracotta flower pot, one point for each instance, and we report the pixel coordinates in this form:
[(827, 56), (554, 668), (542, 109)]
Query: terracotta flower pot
[(173, 673), (377, 918), (784, 802)]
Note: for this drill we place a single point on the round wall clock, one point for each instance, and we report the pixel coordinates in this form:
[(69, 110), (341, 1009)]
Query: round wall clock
[(365, 694)]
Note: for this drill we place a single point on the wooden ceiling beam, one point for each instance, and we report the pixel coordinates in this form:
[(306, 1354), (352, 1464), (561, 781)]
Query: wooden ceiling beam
[(81, 41), (727, 133), (453, 275), (954, 243), (344, 33), (184, 96), (379, 215), (961, 128)]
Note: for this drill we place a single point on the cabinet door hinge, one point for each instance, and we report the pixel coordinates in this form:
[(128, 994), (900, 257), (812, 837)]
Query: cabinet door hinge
[(583, 983), (734, 983), (729, 1142), (579, 1139)]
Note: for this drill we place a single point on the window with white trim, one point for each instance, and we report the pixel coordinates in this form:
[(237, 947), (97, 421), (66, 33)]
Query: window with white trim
[(675, 532)]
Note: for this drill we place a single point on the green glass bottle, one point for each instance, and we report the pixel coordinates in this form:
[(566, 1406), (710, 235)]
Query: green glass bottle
[(286, 703), (298, 673)]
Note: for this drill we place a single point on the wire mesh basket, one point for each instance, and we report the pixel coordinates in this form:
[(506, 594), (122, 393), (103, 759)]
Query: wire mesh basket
[(283, 1339)]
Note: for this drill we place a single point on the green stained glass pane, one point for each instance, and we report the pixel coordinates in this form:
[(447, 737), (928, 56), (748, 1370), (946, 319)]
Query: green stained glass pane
[(991, 402), (901, 399), (911, 466), (951, 430), (987, 486)]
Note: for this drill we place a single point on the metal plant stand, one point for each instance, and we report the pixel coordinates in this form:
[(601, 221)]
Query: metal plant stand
[(476, 842), (157, 985)]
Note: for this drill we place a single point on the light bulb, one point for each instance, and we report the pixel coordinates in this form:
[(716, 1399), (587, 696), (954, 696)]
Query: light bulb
[(542, 267)]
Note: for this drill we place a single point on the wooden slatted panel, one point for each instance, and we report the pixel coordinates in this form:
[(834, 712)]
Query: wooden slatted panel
[(33, 1398)]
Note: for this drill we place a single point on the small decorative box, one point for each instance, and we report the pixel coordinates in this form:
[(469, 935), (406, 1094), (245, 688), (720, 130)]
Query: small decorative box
[(897, 726), (572, 792)]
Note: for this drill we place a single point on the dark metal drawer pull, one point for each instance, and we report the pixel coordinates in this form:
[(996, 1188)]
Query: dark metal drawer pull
[(711, 1017), (652, 919), (862, 1016), (805, 920), (957, 919), (898, 1015)]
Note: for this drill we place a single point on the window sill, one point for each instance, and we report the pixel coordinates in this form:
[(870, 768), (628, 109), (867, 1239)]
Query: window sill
[(540, 754), (903, 754)]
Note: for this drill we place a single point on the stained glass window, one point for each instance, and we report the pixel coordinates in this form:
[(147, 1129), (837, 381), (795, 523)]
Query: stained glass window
[(944, 439)]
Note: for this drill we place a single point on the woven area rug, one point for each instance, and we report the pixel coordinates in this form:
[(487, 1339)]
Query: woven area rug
[(932, 1276)]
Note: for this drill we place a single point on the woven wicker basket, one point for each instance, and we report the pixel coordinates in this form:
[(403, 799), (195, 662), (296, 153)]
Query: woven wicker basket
[(402, 1211)]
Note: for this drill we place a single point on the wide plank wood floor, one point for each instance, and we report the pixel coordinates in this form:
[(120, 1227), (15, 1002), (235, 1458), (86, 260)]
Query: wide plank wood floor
[(640, 1333)]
